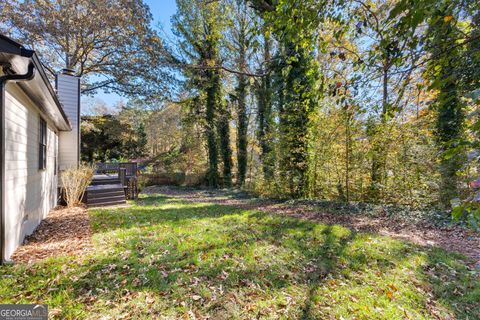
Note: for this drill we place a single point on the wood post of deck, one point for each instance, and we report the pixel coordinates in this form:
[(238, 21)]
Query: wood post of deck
[(122, 176)]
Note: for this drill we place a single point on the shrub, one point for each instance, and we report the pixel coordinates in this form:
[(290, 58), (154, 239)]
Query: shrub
[(75, 181)]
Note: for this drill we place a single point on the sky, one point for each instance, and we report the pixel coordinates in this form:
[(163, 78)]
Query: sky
[(161, 10)]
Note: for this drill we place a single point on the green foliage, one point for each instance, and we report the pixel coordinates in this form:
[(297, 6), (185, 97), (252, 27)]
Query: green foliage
[(300, 97), (450, 110), (198, 26), (265, 116), (346, 100), (100, 138), (118, 136)]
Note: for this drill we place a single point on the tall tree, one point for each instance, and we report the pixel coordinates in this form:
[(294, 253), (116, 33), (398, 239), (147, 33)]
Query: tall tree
[(240, 40), (300, 100), (198, 26), (450, 110), (382, 74), (263, 92), (110, 45), (224, 140), (293, 23)]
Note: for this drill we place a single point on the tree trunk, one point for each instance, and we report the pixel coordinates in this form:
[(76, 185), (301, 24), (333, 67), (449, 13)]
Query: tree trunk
[(264, 134), (295, 119), (242, 126), (379, 151), (450, 110), (225, 148), (212, 96), (242, 119)]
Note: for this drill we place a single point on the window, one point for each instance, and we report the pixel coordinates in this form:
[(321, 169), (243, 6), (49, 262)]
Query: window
[(55, 148), (42, 155)]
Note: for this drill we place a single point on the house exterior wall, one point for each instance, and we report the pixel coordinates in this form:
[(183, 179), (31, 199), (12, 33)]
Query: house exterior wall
[(68, 88), (30, 192)]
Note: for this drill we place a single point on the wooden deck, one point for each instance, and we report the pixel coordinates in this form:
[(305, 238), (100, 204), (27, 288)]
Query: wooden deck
[(112, 183), (107, 178), (105, 190)]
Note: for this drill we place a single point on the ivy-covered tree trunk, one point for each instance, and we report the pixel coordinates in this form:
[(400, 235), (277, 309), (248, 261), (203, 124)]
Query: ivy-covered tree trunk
[(449, 129), (224, 139), (215, 113), (242, 119), (265, 118), (211, 103), (295, 118), (295, 27), (242, 127), (450, 110), (472, 63)]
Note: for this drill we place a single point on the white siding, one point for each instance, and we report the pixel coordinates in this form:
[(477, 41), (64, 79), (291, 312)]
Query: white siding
[(68, 88), (30, 193)]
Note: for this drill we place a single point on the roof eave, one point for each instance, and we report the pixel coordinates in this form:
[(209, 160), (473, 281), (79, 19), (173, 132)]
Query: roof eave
[(16, 59)]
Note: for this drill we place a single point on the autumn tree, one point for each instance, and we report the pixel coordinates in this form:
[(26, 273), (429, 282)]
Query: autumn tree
[(239, 39), (380, 63), (265, 115), (114, 134), (198, 26), (293, 24), (110, 45)]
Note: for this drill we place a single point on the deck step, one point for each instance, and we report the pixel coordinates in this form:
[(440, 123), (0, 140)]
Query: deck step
[(105, 187), (96, 193), (108, 203), (106, 194), (103, 194), (106, 199), (104, 182)]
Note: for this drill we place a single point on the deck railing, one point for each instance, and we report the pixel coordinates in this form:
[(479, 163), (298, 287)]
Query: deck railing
[(113, 167), (126, 173)]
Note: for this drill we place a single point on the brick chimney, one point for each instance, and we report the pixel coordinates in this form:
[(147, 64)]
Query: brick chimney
[(68, 91)]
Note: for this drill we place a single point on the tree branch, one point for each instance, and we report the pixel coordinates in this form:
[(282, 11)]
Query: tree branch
[(220, 67)]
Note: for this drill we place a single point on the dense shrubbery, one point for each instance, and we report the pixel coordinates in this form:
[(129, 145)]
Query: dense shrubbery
[(349, 101)]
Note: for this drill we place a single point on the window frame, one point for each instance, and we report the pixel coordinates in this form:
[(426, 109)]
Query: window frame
[(42, 145)]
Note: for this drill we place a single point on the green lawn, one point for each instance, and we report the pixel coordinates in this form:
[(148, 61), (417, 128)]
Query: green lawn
[(164, 258)]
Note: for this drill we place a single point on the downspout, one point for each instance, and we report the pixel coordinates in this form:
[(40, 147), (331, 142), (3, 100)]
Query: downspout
[(9, 76)]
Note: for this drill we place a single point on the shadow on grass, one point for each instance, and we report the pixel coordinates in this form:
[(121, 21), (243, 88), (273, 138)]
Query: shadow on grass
[(156, 210), (223, 262), (320, 251), (171, 274)]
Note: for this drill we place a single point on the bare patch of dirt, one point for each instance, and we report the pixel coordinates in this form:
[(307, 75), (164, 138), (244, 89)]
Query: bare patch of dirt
[(65, 231), (451, 238)]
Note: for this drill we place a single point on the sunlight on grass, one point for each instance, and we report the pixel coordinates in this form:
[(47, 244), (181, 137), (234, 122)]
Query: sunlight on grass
[(167, 258)]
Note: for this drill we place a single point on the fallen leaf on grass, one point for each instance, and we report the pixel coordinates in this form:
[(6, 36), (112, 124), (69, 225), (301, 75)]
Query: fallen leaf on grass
[(196, 297), (54, 312), (390, 294)]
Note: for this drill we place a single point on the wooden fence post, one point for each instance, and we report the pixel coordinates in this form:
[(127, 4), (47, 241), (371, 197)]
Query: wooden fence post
[(122, 173)]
